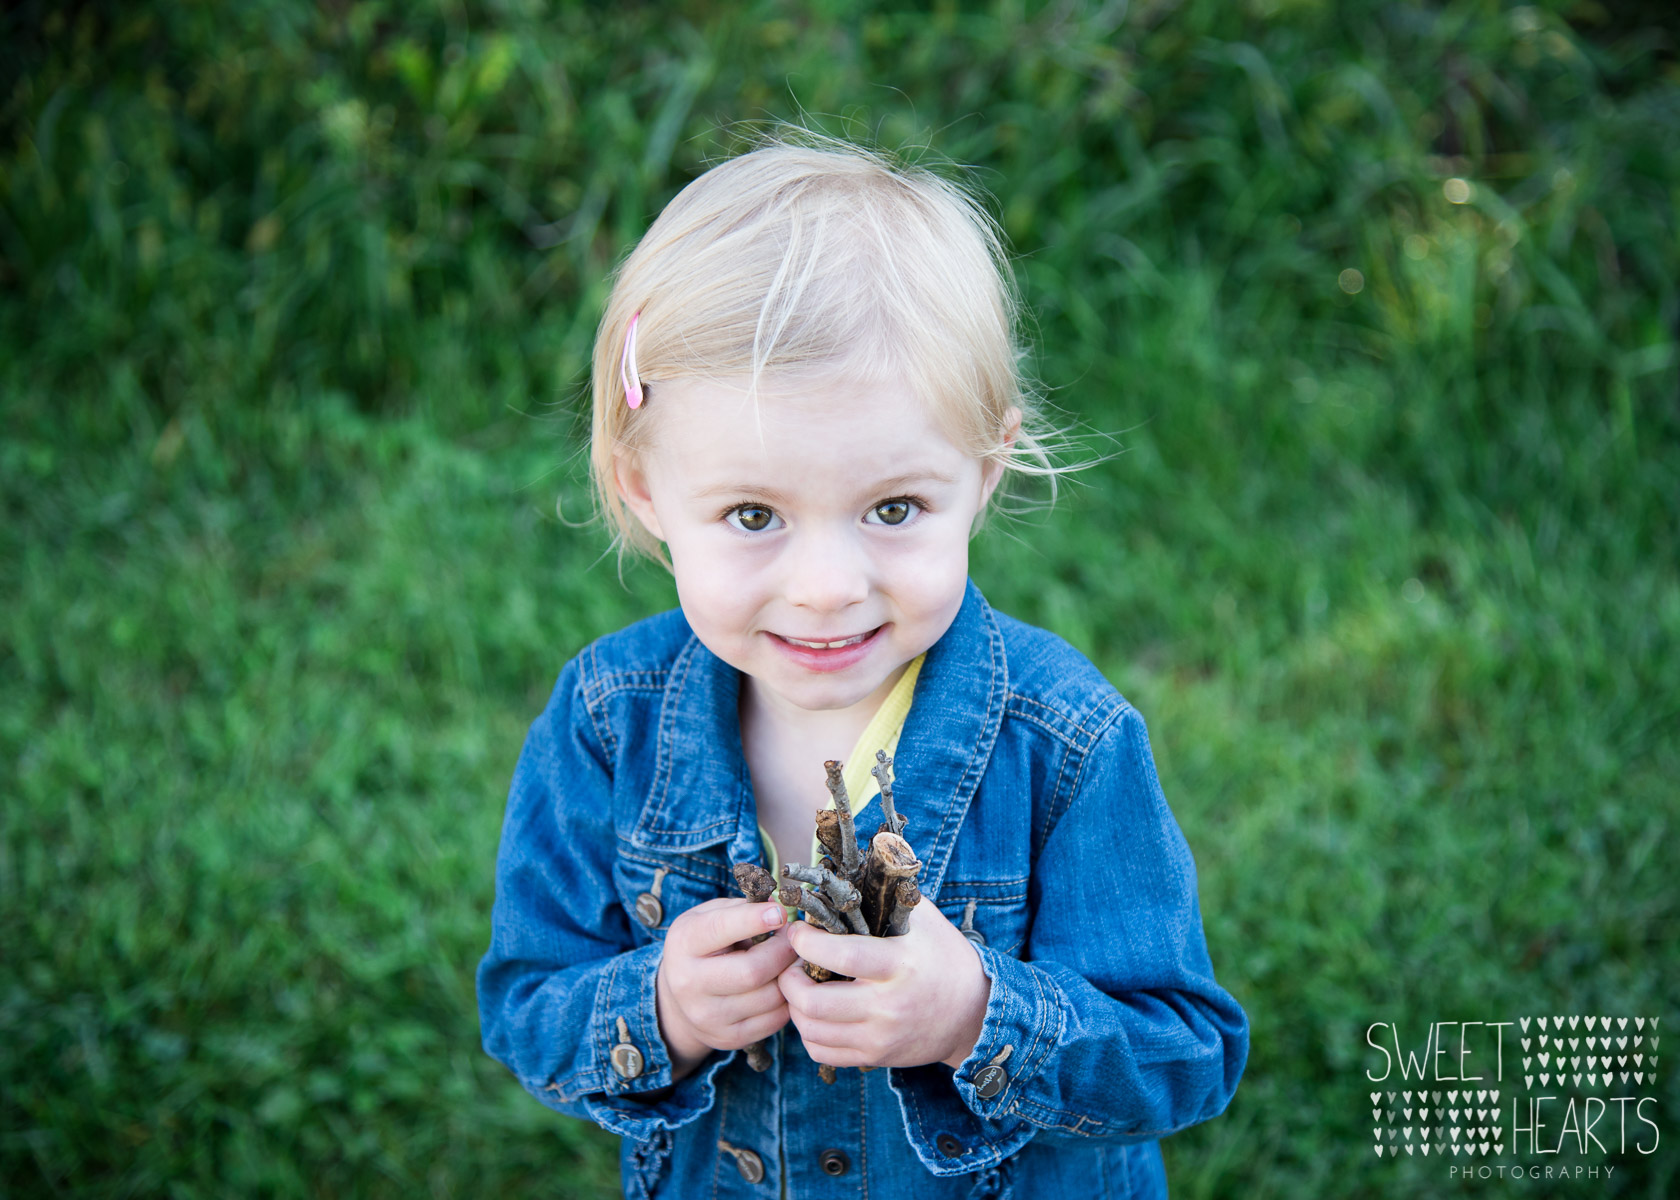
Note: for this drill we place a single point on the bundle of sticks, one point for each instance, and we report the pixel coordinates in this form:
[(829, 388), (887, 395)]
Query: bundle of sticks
[(850, 890)]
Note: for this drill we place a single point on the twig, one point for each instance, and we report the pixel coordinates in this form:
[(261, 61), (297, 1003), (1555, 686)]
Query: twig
[(882, 770), (841, 896), (890, 860), (756, 885), (850, 858), (794, 896), (828, 833), (906, 896), (818, 910)]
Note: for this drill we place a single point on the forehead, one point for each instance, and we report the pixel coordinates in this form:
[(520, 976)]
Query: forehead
[(783, 423)]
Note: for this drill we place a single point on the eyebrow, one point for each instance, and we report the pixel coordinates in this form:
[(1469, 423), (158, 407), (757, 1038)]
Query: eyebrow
[(880, 487)]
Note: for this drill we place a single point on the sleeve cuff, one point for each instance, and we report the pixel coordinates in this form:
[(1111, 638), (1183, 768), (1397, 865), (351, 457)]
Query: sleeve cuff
[(965, 1120), (627, 1088)]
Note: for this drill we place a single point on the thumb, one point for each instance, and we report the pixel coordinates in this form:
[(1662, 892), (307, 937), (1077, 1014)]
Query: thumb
[(717, 925), (854, 954)]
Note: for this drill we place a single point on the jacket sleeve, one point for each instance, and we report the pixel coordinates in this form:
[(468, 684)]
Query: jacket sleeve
[(1111, 1026), (563, 970)]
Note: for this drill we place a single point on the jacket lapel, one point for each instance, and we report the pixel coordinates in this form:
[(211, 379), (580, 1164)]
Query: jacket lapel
[(948, 737)]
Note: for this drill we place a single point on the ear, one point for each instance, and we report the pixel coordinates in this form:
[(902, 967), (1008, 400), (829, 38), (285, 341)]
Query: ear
[(992, 475), (632, 484)]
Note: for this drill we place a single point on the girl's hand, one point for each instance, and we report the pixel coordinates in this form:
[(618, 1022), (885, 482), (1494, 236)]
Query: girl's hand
[(915, 999), (712, 996)]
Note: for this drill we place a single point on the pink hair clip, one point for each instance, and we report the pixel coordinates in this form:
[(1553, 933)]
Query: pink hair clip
[(627, 373)]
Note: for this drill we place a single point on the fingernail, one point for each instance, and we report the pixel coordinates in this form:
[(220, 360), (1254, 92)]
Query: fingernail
[(772, 916)]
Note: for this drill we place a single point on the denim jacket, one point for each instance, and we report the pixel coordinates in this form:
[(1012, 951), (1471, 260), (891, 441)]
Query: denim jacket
[(1030, 791)]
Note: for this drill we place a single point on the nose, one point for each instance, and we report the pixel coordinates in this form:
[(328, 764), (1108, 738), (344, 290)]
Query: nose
[(828, 570)]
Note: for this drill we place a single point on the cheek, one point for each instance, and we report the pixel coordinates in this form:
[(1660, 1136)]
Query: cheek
[(933, 578), (714, 591)]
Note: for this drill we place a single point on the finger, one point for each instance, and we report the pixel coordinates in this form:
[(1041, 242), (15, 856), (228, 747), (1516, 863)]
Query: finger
[(755, 1029), (793, 981), (834, 995), (723, 1012), (832, 1048), (837, 1001), (765, 961), (854, 954), (717, 925), (741, 971)]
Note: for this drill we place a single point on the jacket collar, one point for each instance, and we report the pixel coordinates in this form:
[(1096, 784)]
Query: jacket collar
[(701, 791)]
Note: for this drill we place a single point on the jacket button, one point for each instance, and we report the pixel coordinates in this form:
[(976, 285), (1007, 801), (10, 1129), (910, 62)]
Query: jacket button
[(750, 1165), (948, 1145), (990, 1081), (627, 1060), (835, 1162), (649, 911)]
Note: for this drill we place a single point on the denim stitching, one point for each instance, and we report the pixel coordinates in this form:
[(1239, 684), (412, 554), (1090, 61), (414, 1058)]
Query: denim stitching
[(1079, 777), (690, 830), (1091, 732), (952, 890), (1035, 1058), (722, 1124), (1032, 719), (1050, 808), (659, 787), (1086, 1126), (604, 733), (610, 683), (1104, 710), (647, 1001), (601, 1069), (694, 867), (863, 1138), (1055, 730), (599, 687), (1045, 1117)]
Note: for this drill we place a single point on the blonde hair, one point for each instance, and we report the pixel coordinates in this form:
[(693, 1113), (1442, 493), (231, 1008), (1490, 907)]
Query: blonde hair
[(811, 257)]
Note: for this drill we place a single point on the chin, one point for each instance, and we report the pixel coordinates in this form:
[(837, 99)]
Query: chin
[(829, 698)]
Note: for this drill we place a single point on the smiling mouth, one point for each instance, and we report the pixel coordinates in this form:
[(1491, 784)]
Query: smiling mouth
[(833, 645)]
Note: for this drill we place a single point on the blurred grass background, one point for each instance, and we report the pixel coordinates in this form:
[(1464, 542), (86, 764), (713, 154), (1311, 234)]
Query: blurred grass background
[(1378, 300)]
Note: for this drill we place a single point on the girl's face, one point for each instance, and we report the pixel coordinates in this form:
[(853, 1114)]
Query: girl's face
[(819, 538)]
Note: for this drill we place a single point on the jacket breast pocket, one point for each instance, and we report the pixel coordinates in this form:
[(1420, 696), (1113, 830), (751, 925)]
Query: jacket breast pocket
[(989, 913), (655, 891)]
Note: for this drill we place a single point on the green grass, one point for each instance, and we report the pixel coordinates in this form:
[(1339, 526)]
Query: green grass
[(294, 304)]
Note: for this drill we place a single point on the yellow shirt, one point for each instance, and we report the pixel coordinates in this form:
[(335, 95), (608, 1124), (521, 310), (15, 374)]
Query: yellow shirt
[(881, 733)]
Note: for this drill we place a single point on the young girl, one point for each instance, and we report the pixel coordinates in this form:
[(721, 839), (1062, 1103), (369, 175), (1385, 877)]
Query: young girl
[(805, 395)]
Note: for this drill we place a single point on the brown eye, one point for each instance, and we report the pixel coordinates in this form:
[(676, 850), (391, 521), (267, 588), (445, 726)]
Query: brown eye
[(754, 518), (893, 512)]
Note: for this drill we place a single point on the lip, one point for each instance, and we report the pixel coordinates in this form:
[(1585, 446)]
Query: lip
[(828, 658)]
